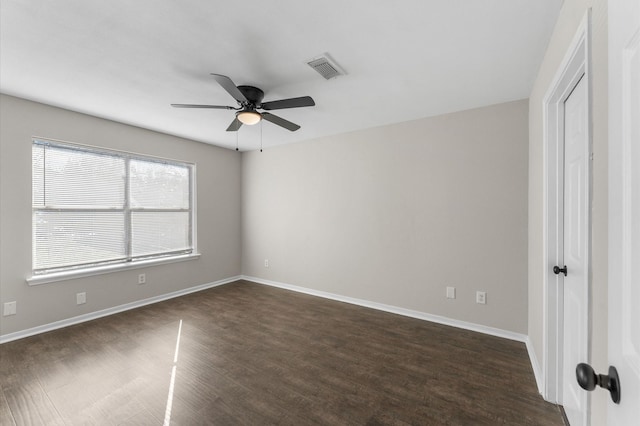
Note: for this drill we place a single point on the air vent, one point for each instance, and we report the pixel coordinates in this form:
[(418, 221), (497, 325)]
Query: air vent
[(326, 67)]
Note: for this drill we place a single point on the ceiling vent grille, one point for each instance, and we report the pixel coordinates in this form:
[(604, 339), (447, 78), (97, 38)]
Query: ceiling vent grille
[(326, 67)]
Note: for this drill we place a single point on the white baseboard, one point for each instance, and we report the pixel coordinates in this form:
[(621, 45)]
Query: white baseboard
[(360, 302), (396, 310), (535, 365), (110, 311)]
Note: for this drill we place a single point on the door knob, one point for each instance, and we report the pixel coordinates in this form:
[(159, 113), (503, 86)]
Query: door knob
[(588, 379), (557, 270)]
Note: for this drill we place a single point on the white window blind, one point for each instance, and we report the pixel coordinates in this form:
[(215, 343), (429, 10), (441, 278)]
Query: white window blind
[(93, 207)]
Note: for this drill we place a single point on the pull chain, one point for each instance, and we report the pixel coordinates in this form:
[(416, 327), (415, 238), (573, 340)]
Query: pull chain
[(260, 135), (237, 131)]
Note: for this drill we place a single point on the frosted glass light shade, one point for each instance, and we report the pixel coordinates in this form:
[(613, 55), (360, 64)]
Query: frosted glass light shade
[(249, 117)]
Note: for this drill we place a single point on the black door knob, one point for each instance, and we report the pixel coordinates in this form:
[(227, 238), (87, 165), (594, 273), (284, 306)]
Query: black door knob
[(557, 270), (588, 379)]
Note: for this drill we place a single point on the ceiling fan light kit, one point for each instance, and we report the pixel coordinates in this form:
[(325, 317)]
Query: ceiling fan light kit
[(249, 99), (248, 117)]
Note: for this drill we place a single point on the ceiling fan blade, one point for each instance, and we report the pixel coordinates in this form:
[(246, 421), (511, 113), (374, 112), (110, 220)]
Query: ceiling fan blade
[(201, 106), (280, 121), (230, 87), (303, 101), (234, 126)]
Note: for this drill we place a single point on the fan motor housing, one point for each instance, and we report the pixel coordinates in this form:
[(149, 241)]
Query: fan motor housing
[(253, 94)]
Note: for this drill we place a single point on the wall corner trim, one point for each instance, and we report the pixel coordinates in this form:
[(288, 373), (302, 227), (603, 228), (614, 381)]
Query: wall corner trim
[(110, 311), (396, 310)]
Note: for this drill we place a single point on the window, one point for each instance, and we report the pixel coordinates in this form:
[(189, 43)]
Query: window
[(93, 207)]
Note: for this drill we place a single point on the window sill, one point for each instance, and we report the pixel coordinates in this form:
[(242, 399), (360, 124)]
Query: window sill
[(99, 270)]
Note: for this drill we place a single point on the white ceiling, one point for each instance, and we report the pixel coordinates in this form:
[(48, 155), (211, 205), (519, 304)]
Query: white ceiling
[(128, 60)]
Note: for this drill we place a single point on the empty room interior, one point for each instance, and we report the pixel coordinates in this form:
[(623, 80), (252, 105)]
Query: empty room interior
[(292, 213)]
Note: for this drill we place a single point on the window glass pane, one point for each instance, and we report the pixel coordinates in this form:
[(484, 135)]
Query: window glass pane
[(157, 232), (158, 185), (77, 178), (76, 238)]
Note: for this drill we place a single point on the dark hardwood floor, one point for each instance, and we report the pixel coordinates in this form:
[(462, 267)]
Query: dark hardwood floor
[(249, 354)]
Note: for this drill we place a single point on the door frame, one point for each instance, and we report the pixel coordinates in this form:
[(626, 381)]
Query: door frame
[(575, 65)]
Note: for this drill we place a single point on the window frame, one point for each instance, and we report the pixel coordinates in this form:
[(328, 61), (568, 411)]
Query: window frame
[(128, 260)]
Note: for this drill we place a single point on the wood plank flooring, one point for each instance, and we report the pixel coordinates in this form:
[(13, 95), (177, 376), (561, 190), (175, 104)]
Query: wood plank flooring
[(249, 354)]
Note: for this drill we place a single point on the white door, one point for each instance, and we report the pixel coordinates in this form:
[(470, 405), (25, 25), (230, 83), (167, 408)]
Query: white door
[(576, 251), (624, 207)]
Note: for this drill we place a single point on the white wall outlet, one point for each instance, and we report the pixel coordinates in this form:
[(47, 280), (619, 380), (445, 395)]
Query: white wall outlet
[(9, 309), (142, 278), (451, 292), (81, 298), (481, 297), (266, 263)]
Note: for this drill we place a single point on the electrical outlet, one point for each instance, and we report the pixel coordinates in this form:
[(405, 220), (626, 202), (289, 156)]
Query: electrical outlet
[(266, 263), (451, 292), (9, 309), (142, 278), (81, 298), (481, 297)]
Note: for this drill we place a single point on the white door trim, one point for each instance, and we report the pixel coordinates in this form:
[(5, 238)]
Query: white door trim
[(574, 66)]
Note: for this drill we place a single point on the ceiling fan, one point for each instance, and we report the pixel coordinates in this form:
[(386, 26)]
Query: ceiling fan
[(249, 100)]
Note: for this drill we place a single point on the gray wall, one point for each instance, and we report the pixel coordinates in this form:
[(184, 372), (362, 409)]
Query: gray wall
[(218, 215), (572, 13), (394, 214), (389, 215)]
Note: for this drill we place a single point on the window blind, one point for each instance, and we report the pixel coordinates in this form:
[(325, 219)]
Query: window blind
[(93, 207)]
